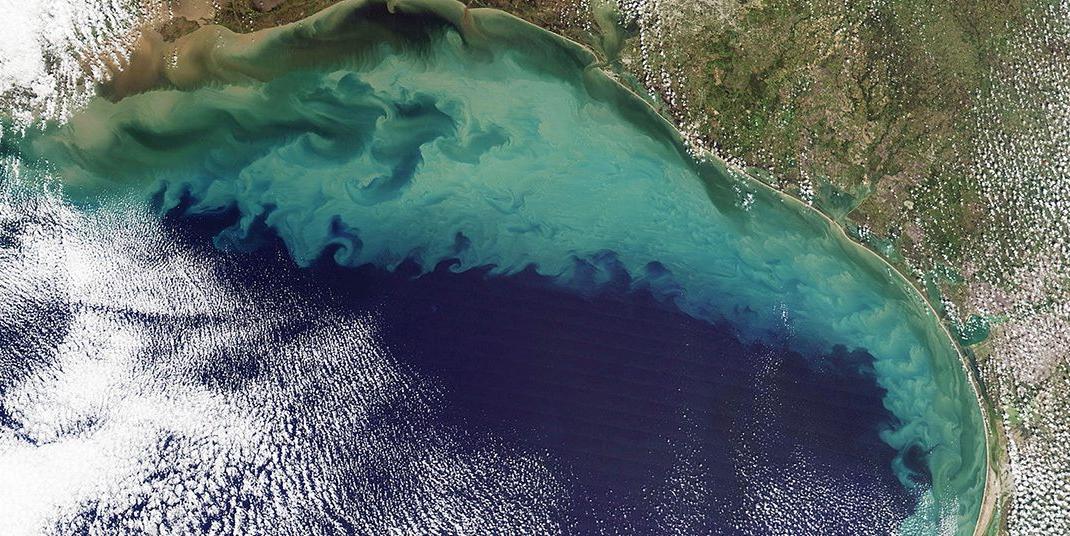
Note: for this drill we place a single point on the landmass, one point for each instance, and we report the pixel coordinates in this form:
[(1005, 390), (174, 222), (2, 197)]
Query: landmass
[(934, 133)]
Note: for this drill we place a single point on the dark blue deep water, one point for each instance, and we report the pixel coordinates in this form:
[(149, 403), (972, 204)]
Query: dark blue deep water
[(631, 346), (648, 414)]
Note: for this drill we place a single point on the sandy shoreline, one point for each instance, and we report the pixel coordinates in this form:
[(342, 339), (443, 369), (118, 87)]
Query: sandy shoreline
[(153, 71)]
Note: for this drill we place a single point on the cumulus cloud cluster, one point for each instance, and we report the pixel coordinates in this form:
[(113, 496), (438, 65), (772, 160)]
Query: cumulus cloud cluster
[(161, 397)]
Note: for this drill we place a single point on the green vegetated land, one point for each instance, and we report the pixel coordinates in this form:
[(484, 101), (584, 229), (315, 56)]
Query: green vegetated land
[(871, 110), (865, 107)]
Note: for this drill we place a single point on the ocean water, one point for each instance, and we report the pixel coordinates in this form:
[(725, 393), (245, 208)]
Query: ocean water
[(538, 244), (655, 422)]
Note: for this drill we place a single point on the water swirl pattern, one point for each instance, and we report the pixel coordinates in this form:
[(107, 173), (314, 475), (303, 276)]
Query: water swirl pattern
[(470, 164)]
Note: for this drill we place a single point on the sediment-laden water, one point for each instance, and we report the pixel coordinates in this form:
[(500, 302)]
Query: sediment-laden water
[(541, 245)]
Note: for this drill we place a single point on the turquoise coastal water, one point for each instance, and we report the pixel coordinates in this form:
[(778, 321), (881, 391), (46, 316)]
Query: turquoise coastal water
[(440, 134)]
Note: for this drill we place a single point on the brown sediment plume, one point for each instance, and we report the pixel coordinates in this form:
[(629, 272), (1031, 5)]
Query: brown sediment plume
[(139, 65), (348, 29), (215, 54), (365, 30), (143, 67)]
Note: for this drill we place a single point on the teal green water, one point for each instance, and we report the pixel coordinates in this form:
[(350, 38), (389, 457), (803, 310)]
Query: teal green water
[(487, 141)]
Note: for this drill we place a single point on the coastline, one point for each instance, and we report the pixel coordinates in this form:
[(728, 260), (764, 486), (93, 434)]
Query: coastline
[(463, 18), (987, 521)]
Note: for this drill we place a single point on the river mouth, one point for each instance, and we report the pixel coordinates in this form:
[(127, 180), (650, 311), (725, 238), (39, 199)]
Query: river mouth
[(428, 145)]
